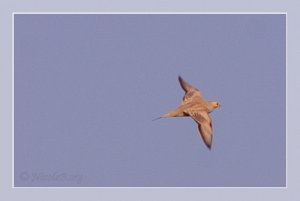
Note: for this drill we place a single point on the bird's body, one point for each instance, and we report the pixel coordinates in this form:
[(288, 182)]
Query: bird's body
[(195, 106)]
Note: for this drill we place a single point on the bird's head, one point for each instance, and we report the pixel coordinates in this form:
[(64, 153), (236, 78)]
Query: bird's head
[(215, 104)]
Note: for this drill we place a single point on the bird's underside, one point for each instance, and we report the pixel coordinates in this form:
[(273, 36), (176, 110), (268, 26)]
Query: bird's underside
[(197, 108)]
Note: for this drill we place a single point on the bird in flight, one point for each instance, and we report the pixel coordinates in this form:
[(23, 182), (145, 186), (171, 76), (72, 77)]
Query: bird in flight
[(193, 105)]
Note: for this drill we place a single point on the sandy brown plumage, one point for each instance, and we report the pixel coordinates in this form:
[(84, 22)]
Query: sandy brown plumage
[(194, 106)]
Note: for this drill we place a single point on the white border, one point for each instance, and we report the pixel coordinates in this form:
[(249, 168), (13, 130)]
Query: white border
[(154, 13), (149, 13), (286, 105), (13, 99)]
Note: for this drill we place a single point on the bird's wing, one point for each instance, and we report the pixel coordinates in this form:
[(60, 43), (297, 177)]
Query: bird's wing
[(204, 125), (191, 93)]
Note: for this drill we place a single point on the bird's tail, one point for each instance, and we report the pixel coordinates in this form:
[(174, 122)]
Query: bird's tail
[(156, 118), (175, 113)]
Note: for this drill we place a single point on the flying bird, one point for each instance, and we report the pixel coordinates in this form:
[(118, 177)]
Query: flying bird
[(193, 105)]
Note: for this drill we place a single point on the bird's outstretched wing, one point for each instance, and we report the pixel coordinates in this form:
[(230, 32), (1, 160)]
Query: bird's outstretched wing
[(204, 125), (191, 93)]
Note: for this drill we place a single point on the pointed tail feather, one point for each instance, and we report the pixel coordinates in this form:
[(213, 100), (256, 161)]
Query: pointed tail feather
[(175, 113), (163, 116), (170, 114), (156, 118)]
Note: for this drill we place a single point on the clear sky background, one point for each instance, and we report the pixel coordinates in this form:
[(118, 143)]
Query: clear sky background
[(88, 86)]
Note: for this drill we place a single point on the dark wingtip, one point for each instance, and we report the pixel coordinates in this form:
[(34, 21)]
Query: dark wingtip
[(182, 83), (180, 78), (209, 146)]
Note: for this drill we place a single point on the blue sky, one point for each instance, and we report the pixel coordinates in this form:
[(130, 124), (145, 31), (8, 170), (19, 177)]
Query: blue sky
[(88, 86)]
